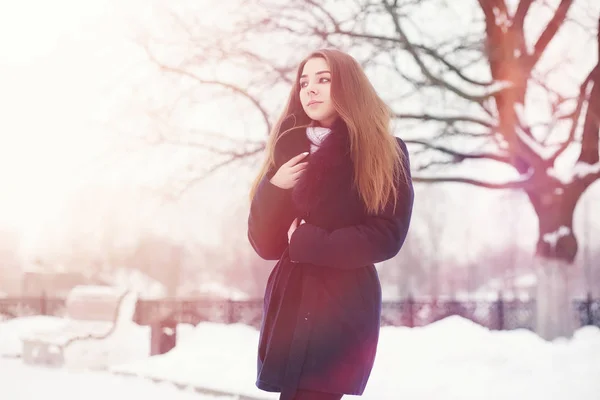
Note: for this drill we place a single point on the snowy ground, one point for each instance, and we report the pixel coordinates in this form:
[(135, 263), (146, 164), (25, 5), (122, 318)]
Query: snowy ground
[(21, 382), (451, 359)]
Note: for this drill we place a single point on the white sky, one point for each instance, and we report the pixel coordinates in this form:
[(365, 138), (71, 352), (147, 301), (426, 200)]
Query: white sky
[(60, 65), (44, 71)]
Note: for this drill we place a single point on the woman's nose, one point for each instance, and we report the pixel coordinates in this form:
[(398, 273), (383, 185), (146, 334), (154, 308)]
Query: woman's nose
[(310, 88)]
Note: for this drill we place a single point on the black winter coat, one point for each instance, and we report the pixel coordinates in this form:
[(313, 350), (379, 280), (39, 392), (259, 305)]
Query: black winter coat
[(322, 304)]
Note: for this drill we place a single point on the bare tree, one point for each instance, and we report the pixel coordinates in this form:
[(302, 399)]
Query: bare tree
[(475, 87)]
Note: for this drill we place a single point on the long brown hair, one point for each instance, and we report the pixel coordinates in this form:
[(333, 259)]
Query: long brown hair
[(379, 163)]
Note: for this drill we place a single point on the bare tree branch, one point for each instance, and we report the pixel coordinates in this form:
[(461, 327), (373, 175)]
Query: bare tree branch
[(425, 167), (590, 136), (443, 72), (226, 85), (283, 73), (451, 67), (550, 31), (329, 16), (521, 13), (474, 182), (400, 42), (447, 119), (232, 158), (209, 148), (221, 136), (458, 156), (576, 114), (426, 72)]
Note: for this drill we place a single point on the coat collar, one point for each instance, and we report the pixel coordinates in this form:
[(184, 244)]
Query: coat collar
[(329, 170), (295, 141), (289, 145)]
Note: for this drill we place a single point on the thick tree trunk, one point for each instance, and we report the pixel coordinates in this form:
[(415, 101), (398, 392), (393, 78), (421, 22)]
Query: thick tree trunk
[(555, 252), (555, 314), (554, 203)]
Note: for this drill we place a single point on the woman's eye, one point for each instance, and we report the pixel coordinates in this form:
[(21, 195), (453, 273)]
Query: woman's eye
[(321, 80)]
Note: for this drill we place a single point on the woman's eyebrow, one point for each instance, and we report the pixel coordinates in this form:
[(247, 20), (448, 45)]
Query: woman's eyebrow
[(318, 73)]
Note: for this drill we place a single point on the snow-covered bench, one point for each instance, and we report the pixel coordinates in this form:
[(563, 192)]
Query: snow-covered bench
[(95, 316)]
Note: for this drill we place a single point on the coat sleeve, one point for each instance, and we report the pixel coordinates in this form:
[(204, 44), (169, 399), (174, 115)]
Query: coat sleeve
[(271, 214), (377, 239)]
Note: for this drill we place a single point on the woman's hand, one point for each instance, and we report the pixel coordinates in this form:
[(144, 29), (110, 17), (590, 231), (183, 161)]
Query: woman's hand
[(288, 174), (295, 224)]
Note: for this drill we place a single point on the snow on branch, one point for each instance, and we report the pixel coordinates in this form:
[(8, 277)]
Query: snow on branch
[(552, 238), (580, 171)]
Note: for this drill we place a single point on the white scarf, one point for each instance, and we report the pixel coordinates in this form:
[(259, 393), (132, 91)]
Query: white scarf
[(316, 135)]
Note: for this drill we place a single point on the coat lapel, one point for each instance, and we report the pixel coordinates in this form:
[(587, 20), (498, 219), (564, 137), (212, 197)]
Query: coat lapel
[(329, 171), (290, 145)]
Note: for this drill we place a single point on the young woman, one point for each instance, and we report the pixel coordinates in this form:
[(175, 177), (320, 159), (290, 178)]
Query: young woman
[(333, 198)]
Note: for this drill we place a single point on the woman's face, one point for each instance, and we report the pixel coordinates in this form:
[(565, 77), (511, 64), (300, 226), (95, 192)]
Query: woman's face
[(315, 95)]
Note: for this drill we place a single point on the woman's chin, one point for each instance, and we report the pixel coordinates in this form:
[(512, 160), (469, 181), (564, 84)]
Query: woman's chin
[(313, 116)]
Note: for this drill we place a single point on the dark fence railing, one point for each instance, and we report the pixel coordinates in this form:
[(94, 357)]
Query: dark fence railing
[(500, 314)]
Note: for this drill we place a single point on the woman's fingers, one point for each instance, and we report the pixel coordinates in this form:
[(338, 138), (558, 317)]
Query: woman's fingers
[(296, 159), (296, 175), (299, 166), (289, 173)]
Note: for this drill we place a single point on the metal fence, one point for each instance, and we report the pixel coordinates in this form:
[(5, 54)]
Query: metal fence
[(500, 314)]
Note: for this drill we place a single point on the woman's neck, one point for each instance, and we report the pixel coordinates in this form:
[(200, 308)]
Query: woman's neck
[(328, 123)]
